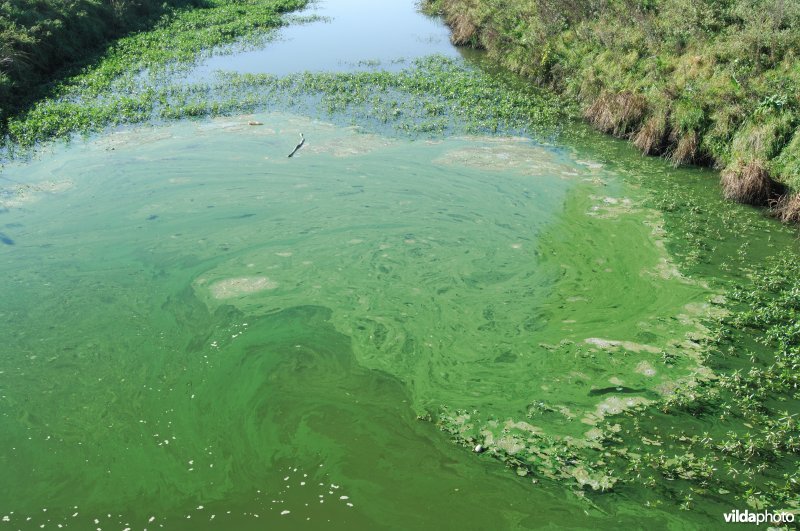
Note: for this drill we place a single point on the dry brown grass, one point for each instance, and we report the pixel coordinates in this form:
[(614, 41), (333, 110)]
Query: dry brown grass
[(749, 183), (650, 138), (787, 208), (463, 29), (459, 16), (617, 114), (686, 150)]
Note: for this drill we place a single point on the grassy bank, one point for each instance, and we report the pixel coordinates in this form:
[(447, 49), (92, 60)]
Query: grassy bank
[(698, 81), (42, 39), (124, 84)]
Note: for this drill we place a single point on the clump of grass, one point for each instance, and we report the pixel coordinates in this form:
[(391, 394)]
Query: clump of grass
[(651, 136), (685, 151), (749, 183), (463, 25), (763, 136), (617, 114), (463, 29), (787, 208)]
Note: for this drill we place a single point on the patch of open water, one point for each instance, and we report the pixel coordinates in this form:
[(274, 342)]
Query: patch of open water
[(350, 35)]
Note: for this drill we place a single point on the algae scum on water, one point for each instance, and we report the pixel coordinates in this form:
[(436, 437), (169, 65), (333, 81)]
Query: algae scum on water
[(188, 311), (200, 332)]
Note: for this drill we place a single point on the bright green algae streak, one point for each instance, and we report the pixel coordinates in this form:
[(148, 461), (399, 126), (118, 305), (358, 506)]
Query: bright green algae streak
[(192, 320)]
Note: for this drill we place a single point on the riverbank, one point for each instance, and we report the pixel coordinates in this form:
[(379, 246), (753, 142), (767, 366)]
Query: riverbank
[(44, 44), (697, 82), (42, 40)]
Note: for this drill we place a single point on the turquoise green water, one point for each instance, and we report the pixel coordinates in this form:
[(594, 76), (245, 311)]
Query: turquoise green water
[(203, 332)]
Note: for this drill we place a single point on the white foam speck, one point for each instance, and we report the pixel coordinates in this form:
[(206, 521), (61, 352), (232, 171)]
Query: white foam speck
[(284, 513)]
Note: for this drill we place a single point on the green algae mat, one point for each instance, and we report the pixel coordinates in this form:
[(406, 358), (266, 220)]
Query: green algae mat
[(200, 332), (453, 308)]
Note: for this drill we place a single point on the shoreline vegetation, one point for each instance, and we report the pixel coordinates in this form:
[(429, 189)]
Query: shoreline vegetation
[(702, 82), (51, 48), (41, 40)]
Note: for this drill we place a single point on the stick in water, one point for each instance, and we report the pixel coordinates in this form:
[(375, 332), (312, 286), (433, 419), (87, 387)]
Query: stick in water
[(298, 146)]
